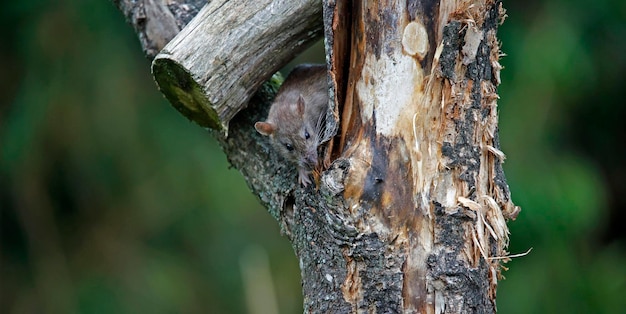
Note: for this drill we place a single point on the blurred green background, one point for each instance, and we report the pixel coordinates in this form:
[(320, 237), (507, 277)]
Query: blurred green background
[(112, 202)]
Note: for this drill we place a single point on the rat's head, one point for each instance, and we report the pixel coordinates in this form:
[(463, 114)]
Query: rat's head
[(284, 128)]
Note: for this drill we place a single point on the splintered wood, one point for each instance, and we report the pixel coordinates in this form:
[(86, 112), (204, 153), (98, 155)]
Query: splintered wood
[(419, 132)]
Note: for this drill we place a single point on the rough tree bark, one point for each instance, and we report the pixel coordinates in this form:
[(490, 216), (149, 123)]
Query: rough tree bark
[(410, 215)]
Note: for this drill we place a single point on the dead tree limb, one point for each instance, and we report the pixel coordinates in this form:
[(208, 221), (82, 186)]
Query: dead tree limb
[(211, 69)]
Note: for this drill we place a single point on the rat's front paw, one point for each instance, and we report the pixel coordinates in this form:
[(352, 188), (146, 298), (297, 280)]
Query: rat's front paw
[(303, 177)]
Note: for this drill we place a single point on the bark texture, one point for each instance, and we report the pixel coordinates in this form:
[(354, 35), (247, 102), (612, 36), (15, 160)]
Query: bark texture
[(423, 186), (410, 215), (156, 22)]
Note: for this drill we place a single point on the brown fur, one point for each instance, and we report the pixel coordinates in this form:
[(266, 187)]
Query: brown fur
[(299, 109)]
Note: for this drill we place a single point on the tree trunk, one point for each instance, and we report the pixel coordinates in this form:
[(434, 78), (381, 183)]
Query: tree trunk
[(410, 215)]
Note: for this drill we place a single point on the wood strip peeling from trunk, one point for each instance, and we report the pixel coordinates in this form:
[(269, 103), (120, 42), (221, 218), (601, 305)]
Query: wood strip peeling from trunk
[(420, 178)]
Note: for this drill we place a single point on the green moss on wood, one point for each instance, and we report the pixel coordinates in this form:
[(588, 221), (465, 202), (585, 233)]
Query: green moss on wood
[(185, 94)]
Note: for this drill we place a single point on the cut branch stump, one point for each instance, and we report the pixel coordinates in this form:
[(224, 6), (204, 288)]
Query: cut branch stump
[(211, 69)]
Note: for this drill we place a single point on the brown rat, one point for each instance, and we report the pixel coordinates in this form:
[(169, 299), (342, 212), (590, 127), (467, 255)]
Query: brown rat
[(296, 119)]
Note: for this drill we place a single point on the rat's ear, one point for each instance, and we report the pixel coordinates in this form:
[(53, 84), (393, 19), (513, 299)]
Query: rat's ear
[(301, 105), (265, 128)]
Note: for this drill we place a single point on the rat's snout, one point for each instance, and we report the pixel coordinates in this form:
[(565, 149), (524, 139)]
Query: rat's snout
[(311, 158)]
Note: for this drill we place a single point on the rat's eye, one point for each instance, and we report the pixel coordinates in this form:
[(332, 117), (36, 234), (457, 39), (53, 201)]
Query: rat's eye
[(306, 134), (289, 146)]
